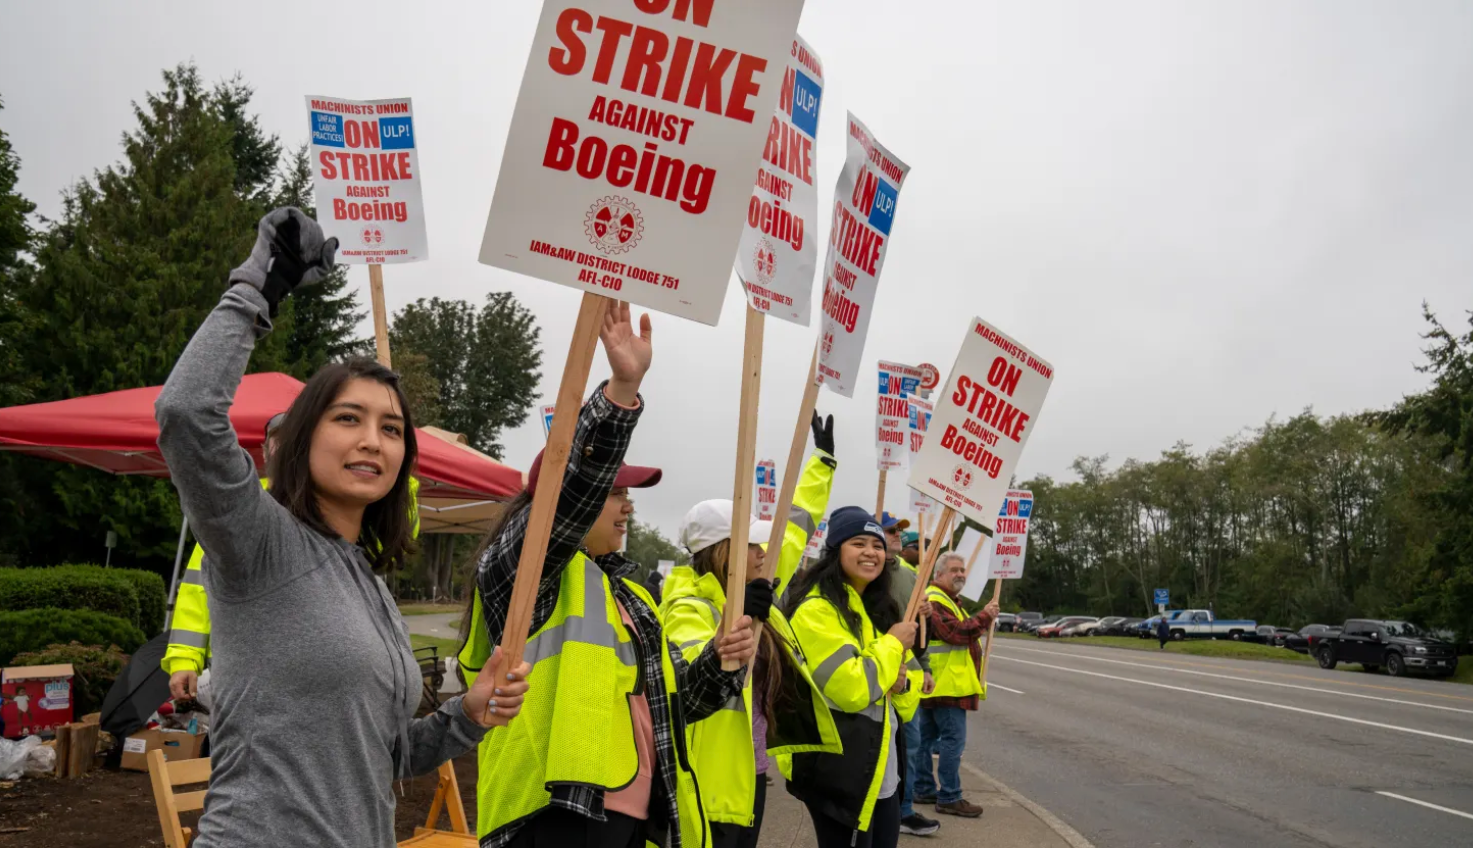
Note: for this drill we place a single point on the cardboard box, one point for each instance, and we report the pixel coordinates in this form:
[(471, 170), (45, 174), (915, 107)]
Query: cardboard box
[(176, 745), (35, 698)]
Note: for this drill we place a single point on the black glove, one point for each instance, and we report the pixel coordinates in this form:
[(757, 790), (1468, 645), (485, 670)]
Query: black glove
[(758, 602), (289, 251), (823, 434)]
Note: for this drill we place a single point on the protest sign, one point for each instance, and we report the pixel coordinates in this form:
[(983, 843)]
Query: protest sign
[(982, 421), (920, 421), (1010, 541), (976, 576), (892, 432), (930, 378), (665, 566), (546, 411), (920, 504), (628, 166), (898, 379), (366, 179), (366, 187), (766, 491), (777, 256), (815, 542), (859, 240)]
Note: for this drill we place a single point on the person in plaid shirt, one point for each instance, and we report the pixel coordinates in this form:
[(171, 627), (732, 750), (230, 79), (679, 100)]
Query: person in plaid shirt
[(592, 513)]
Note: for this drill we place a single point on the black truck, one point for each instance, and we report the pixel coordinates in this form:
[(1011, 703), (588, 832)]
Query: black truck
[(1398, 645)]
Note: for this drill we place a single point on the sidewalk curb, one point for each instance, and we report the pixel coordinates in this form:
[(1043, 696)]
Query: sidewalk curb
[(1057, 825)]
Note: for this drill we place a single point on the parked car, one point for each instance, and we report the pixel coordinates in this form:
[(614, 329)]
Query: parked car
[(1109, 626), (1400, 646), (1083, 628), (1128, 626), (1281, 634), (1303, 641), (1268, 634), (1005, 622), (1204, 624), (1146, 629), (1027, 622), (1053, 630)]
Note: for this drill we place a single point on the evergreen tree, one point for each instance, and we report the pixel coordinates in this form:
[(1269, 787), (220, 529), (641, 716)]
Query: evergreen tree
[(485, 362), (15, 243)]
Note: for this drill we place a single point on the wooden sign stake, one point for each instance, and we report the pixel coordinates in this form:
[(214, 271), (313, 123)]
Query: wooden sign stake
[(923, 574), (880, 499), (793, 470), (987, 648), (554, 464), (381, 321), (746, 461)]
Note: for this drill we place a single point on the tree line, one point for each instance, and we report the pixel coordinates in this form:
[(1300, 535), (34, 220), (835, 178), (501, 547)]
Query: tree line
[(105, 296), (1309, 519)]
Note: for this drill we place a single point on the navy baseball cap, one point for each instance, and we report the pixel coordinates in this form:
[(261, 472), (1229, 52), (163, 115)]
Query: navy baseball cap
[(889, 522), (847, 522)]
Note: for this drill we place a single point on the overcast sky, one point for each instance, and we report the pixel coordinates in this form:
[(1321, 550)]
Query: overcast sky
[(1203, 214)]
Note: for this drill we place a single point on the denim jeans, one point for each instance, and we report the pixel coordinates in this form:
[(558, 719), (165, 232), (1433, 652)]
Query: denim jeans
[(912, 743), (943, 729)]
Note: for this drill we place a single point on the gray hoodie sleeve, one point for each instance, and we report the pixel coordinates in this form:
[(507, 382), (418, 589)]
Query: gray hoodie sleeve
[(230, 514), (442, 735)]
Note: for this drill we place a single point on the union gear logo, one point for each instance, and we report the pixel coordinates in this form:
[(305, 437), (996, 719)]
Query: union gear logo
[(962, 477), (614, 225), (372, 235), (764, 260)]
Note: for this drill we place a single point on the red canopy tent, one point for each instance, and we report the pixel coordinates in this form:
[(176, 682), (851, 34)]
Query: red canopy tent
[(116, 432)]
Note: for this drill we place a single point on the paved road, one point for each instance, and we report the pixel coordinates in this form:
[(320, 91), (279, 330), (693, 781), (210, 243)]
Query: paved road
[(1137, 749)]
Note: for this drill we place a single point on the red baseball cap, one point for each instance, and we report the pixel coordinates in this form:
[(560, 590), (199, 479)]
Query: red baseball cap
[(629, 477)]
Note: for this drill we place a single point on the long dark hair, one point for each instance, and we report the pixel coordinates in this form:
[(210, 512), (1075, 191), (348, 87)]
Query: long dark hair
[(828, 575), (770, 675), (387, 536), (521, 503)]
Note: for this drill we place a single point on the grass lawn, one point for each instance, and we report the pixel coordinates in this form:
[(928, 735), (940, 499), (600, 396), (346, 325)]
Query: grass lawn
[(447, 647), (426, 608)]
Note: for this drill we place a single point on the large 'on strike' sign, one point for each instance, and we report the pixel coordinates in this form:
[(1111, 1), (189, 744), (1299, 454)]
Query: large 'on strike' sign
[(628, 167), (980, 424)]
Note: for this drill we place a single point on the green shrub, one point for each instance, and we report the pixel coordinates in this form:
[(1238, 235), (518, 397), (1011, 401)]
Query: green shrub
[(74, 587), (152, 595), (95, 670), (34, 629)]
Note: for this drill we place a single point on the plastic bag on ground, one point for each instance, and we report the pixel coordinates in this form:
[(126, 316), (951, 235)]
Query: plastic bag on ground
[(13, 756), (40, 761)]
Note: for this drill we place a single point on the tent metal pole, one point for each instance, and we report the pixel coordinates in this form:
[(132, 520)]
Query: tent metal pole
[(174, 584)]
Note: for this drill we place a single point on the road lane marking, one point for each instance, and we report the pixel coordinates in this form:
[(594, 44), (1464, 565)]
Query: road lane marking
[(1426, 804), (1318, 713), (991, 685), (1165, 661), (1175, 670)]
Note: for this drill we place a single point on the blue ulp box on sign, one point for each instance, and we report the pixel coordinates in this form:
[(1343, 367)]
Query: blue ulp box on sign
[(396, 133), (327, 129), (883, 213), (806, 95)]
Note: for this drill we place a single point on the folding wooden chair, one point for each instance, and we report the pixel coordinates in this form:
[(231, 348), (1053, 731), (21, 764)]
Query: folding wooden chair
[(447, 798), (165, 776)]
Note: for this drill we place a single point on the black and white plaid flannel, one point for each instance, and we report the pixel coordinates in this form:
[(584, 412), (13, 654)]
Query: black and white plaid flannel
[(603, 435)]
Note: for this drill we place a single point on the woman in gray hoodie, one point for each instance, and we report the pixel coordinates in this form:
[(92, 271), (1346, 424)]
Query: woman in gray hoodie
[(317, 683)]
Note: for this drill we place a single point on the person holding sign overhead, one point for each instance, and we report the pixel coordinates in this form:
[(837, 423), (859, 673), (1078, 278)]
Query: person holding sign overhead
[(318, 686), (781, 710), (850, 629), (593, 759)]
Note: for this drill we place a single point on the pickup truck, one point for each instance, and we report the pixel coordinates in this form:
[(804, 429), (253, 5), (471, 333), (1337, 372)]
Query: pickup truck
[(1193, 624), (1398, 645)]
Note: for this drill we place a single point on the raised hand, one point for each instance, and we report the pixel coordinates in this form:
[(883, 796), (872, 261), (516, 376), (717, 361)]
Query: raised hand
[(290, 251), (497, 695), (823, 433), (628, 353)]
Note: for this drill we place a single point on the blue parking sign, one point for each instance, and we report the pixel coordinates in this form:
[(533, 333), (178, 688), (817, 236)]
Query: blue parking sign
[(1163, 597)]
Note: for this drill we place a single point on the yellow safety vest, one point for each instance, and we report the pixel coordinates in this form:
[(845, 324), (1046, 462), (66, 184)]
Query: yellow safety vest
[(189, 629), (951, 665), (575, 725), (721, 746), (855, 674)]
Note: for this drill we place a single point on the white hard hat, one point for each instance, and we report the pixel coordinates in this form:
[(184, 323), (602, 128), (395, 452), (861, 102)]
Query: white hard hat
[(708, 522)]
